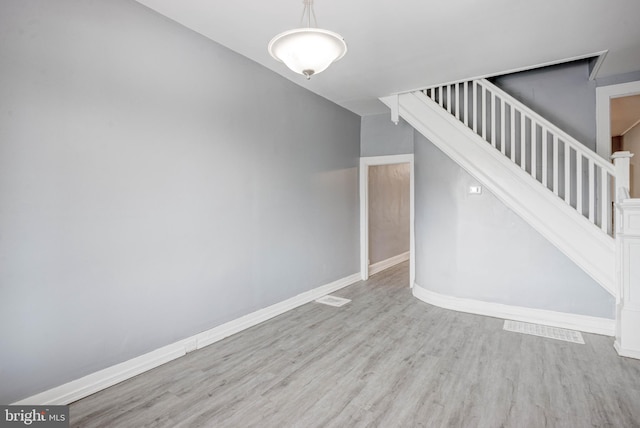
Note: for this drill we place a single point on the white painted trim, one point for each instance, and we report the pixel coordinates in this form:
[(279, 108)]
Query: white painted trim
[(218, 333), (600, 54), (597, 65), (583, 323), (576, 145), (364, 220), (365, 163), (604, 94), (386, 264), (90, 384), (395, 112), (584, 243), (629, 353)]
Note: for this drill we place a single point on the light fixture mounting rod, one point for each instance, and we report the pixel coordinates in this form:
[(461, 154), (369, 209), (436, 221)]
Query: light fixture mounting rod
[(309, 13), (307, 50)]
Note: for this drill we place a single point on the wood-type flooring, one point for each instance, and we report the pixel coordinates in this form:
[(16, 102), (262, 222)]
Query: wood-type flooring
[(385, 359)]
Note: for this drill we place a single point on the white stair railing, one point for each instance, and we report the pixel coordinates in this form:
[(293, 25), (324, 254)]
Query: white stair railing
[(558, 161)]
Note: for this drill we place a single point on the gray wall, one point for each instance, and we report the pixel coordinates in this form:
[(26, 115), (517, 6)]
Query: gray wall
[(380, 137), (388, 211), (633, 76), (563, 94), (473, 246), (153, 185)]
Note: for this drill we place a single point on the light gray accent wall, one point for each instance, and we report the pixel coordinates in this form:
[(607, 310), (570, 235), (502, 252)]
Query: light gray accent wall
[(563, 94), (473, 246), (388, 211), (153, 184), (380, 137), (633, 76)]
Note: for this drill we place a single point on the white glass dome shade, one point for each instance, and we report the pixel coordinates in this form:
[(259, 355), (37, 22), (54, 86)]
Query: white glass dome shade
[(308, 51)]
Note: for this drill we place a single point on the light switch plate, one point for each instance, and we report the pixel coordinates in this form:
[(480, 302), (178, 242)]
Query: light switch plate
[(475, 190)]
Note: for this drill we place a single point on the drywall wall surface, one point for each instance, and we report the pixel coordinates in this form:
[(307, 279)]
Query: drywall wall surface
[(153, 185), (473, 246), (631, 142), (633, 76), (388, 211), (563, 94), (380, 137)]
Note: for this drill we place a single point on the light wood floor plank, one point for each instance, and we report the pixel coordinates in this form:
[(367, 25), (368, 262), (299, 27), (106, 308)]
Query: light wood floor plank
[(385, 359)]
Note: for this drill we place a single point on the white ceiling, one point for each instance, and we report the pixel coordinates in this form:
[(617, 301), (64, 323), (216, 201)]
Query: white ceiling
[(400, 45)]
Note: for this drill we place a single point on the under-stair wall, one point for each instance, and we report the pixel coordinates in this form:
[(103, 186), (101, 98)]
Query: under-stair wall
[(548, 154), (469, 123), (474, 247)]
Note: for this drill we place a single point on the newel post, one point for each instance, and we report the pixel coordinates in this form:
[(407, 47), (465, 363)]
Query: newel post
[(627, 234), (621, 162), (628, 278)]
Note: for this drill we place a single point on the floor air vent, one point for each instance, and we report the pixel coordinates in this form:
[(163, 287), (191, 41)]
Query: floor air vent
[(544, 331), (333, 301)]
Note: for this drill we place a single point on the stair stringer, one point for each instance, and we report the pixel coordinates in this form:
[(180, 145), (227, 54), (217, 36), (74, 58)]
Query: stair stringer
[(584, 243)]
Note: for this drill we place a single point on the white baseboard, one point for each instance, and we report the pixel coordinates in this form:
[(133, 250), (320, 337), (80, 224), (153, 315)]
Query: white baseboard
[(629, 353), (583, 323), (90, 384), (218, 333), (386, 264), (87, 385)]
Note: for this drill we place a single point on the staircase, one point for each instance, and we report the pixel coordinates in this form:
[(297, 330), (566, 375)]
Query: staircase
[(558, 185)]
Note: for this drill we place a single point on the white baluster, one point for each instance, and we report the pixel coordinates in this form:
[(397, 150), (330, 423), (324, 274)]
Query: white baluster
[(493, 119), (545, 157), (512, 126), (483, 100), (579, 183), (503, 126), (474, 109), (534, 149), (523, 141), (605, 205), (591, 187), (567, 172), (555, 165), (441, 93), (466, 103), (457, 98)]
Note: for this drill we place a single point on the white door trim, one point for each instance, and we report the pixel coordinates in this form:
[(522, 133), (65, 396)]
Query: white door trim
[(604, 94), (365, 163)]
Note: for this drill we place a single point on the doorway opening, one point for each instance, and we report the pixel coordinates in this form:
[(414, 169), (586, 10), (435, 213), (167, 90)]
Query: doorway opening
[(618, 125), (397, 166)]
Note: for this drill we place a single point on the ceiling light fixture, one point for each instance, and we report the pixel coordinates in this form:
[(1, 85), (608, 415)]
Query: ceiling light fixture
[(309, 50)]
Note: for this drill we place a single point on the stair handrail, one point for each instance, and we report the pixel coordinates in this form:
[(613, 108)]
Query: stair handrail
[(450, 124), (590, 195), (574, 143)]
